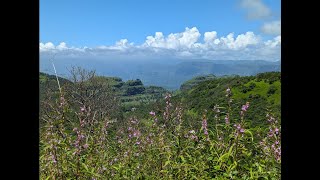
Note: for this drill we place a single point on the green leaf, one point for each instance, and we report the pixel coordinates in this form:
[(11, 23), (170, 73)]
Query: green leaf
[(250, 133), (182, 158), (217, 167), (166, 163), (223, 157), (85, 166)]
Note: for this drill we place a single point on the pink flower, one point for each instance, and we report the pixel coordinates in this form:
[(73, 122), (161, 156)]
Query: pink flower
[(152, 113), (245, 107), (242, 130), (82, 109), (227, 119), (85, 146)]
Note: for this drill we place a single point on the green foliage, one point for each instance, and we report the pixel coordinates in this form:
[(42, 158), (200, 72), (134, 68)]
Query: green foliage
[(186, 136), (255, 89)]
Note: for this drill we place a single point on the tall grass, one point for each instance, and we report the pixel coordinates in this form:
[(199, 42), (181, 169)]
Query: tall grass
[(98, 147)]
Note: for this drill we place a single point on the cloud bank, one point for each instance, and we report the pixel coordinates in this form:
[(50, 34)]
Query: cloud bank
[(184, 45)]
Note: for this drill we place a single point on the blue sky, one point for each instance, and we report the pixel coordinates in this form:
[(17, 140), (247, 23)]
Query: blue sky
[(101, 24)]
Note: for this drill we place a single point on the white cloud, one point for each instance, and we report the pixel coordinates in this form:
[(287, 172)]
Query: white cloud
[(182, 40), (242, 40), (210, 37), (273, 28), (47, 46), (62, 46), (256, 9), (184, 44), (273, 43)]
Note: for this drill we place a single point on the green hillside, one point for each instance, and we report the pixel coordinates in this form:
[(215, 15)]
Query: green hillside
[(262, 91), (195, 81), (132, 92)]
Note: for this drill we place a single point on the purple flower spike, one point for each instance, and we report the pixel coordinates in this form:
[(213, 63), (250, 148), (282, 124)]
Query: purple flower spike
[(152, 113), (206, 132), (245, 107), (227, 119)]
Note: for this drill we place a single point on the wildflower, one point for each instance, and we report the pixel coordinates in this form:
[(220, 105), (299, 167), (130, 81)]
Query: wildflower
[(204, 126), (245, 107), (168, 96), (152, 113), (85, 146), (138, 142), (192, 132), (276, 130), (136, 133), (205, 132), (193, 137), (261, 143), (82, 109), (271, 119), (242, 130), (227, 119), (228, 92)]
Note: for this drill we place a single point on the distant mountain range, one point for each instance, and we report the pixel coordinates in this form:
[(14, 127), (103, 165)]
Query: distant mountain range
[(169, 73)]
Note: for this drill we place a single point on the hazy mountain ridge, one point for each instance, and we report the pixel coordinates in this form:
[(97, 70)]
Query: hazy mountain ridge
[(169, 74)]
